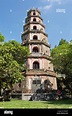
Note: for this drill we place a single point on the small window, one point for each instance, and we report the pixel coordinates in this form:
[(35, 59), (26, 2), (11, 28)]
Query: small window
[(34, 27), (48, 67), (34, 13), (36, 81), (34, 19), (35, 37)]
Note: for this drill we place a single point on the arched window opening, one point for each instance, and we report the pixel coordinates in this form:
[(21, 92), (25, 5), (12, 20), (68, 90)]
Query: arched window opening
[(36, 65), (35, 49), (34, 19), (34, 13), (35, 37), (34, 27)]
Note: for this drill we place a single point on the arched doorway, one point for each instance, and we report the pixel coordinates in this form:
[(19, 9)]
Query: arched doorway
[(36, 65), (35, 50)]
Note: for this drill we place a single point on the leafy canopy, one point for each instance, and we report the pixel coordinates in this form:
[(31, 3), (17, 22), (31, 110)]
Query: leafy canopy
[(62, 58), (12, 57), (62, 61)]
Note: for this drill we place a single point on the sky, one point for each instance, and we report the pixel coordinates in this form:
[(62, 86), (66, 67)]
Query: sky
[(56, 15)]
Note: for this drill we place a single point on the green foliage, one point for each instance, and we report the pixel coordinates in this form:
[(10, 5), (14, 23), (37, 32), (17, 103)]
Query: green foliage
[(62, 41), (62, 61), (12, 56), (2, 38), (18, 52)]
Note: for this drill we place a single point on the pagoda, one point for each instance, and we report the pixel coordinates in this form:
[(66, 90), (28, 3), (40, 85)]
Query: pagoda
[(39, 66)]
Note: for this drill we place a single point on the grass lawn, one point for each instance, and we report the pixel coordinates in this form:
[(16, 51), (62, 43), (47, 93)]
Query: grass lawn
[(67, 103)]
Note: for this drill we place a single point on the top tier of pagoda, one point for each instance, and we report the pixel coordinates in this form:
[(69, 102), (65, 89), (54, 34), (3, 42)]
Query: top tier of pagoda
[(34, 24)]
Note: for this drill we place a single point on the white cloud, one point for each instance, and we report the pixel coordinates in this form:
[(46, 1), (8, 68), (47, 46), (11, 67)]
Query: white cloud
[(61, 10), (55, 1), (49, 4), (47, 7)]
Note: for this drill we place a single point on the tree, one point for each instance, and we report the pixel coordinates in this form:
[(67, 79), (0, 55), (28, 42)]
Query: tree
[(61, 58), (2, 38), (62, 41), (12, 56), (62, 61)]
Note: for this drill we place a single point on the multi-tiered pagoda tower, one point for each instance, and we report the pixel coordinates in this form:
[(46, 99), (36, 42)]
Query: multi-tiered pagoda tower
[(39, 66)]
